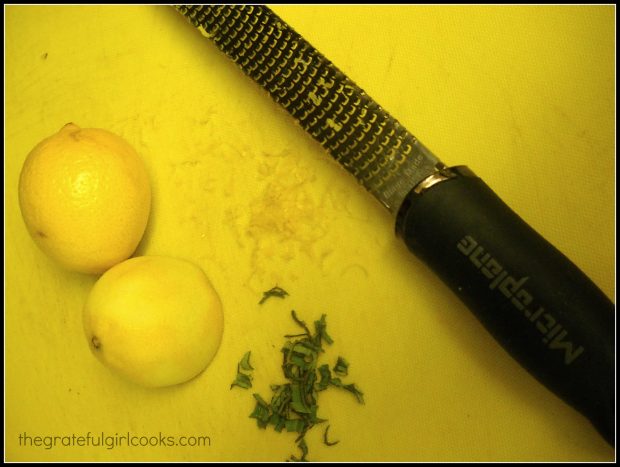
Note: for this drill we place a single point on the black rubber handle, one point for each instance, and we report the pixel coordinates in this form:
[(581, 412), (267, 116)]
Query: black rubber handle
[(536, 303)]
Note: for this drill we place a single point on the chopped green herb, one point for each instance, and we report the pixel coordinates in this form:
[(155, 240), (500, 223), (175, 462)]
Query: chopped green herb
[(321, 333), (244, 364), (359, 395), (298, 401), (301, 323), (288, 336), (260, 400), (294, 404), (274, 292), (328, 443), (335, 382), (326, 377), (261, 414), (304, 451), (296, 424), (243, 380), (342, 367), (278, 421)]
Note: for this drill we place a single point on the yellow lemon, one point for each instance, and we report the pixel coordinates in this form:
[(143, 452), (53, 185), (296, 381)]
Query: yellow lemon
[(155, 320), (85, 197)]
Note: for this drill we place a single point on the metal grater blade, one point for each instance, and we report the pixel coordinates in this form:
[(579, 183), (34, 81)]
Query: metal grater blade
[(373, 146)]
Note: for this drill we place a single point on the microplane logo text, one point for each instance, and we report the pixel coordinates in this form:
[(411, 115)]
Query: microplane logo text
[(554, 334)]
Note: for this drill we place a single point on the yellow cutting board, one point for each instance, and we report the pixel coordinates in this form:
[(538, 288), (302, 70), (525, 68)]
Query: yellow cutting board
[(524, 95)]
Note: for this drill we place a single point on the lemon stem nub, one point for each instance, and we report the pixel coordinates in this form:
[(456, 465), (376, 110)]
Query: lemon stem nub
[(96, 343)]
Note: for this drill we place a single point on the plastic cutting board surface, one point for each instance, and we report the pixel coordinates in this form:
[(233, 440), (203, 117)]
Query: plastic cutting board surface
[(523, 95)]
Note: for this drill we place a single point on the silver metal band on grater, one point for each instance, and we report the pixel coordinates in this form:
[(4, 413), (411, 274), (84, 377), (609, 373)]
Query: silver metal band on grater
[(385, 158)]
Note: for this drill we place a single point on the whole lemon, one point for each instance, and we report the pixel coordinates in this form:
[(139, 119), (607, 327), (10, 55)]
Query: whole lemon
[(155, 320), (85, 197)]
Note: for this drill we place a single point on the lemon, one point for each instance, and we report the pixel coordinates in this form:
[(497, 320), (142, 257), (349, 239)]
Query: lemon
[(155, 320), (85, 198)]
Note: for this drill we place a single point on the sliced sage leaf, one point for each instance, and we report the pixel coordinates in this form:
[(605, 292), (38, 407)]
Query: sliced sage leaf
[(304, 449), (289, 336), (261, 414), (300, 322), (355, 390), (298, 404), (336, 382), (342, 367), (325, 441), (244, 364), (296, 425), (321, 332), (294, 404), (326, 377), (243, 381), (260, 400), (273, 292)]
